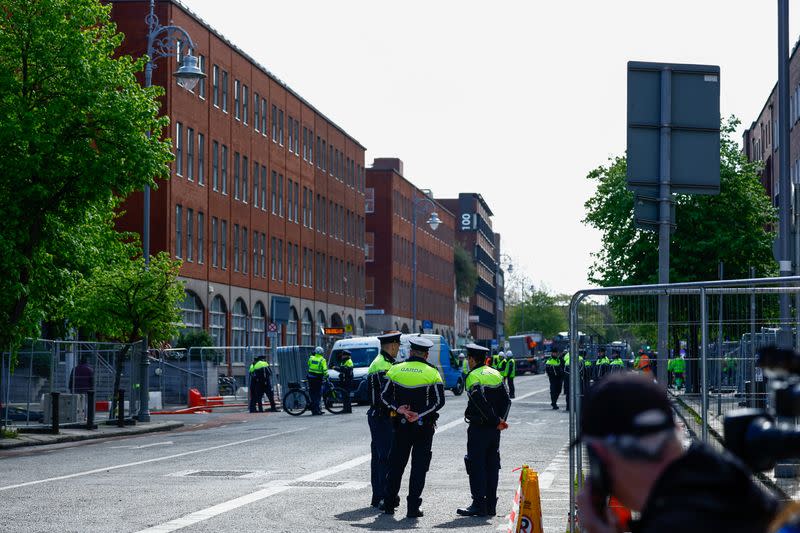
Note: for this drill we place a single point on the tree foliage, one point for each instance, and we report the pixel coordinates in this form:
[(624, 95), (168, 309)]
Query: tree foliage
[(733, 227), (539, 311), (73, 123), (466, 274)]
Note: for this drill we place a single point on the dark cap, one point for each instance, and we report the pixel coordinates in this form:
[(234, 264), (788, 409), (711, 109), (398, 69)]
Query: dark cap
[(420, 344), (625, 404), (346, 353), (389, 337), (475, 350)]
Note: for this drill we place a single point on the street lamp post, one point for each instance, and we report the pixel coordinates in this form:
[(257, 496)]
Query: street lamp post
[(162, 41), (433, 221)]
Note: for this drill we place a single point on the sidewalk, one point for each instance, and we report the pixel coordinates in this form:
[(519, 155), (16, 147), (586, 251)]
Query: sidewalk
[(74, 435)]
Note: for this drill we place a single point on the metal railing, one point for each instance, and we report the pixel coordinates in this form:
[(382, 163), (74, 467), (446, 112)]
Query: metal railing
[(716, 327)]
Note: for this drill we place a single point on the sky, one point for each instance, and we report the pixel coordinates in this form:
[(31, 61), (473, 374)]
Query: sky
[(516, 100)]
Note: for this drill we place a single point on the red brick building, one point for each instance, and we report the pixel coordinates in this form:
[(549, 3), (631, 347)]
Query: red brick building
[(389, 237), (265, 205)]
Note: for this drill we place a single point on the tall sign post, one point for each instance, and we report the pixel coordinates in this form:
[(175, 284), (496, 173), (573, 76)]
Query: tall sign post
[(673, 148), (785, 186)]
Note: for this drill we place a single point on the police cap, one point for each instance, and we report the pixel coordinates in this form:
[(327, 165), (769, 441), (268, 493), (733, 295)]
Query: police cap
[(476, 351), (346, 353), (389, 337), (421, 344)]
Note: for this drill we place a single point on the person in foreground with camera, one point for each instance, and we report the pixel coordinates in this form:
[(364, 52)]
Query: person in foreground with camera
[(636, 455)]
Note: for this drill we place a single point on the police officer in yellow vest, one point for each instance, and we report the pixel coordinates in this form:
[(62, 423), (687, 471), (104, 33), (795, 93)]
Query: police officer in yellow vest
[(554, 373), (487, 411), (415, 392), (380, 425), (509, 371), (317, 372), (260, 383), (345, 369)]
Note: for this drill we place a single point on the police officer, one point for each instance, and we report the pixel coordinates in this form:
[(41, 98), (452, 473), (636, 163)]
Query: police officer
[(616, 364), (601, 365), (509, 371), (345, 370), (464, 365), (317, 371), (587, 373), (378, 416), (260, 383), (566, 375), (487, 411), (415, 392), (554, 373)]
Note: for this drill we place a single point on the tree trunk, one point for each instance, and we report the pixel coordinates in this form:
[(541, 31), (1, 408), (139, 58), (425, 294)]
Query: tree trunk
[(118, 365)]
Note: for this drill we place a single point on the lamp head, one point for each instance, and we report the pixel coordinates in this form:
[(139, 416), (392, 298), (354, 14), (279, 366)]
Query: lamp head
[(189, 73)]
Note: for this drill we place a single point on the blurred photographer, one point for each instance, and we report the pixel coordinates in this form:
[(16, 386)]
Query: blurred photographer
[(636, 455)]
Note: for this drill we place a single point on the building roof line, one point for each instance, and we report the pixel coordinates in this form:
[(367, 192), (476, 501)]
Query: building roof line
[(249, 58)]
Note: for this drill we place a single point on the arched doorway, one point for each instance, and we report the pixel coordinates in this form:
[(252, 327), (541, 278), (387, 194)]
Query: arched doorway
[(258, 324), (336, 321), (291, 328), (306, 329), (218, 320), (239, 330)]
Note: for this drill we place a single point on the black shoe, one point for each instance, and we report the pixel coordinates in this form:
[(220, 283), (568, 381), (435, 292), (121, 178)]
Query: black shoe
[(386, 509), (555, 407), (491, 506), (413, 508), (377, 503), (476, 509), (389, 509), (273, 409)]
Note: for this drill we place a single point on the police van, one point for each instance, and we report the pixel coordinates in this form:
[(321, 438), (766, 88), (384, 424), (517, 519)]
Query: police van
[(440, 356), (362, 352)]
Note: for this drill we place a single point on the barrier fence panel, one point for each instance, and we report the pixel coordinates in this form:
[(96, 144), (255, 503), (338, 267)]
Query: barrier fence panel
[(715, 331)]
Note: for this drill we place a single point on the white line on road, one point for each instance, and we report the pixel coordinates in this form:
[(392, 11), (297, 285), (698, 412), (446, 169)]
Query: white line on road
[(210, 512), (530, 394), (133, 446), (146, 461)]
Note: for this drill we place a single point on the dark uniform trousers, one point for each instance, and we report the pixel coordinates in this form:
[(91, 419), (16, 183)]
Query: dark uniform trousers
[(256, 395), (416, 441), (483, 462), (270, 393), (315, 391), (566, 387), (555, 384), (510, 383), (381, 430)]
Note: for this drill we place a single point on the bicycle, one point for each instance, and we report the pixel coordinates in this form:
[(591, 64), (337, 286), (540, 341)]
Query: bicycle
[(297, 400), (227, 385)]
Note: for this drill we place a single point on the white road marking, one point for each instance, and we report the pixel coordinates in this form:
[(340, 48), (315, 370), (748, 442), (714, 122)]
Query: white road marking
[(529, 394), (146, 461), (134, 447), (215, 510)]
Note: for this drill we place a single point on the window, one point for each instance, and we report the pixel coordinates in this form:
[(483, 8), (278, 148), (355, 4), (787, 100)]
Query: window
[(224, 169), (274, 193), (305, 143), (245, 254), (310, 208), (179, 149), (319, 150), (273, 258), (291, 328), (236, 99), (238, 331), (191, 312), (263, 116), (201, 156), (189, 235), (224, 91), (202, 84), (280, 194), (289, 267), (215, 165), (178, 231), (280, 127), (245, 103), (256, 117), (280, 259), (296, 264), (263, 251), (305, 207), (214, 242), (291, 133), (306, 328), (330, 160), (255, 184), (236, 170), (215, 85), (224, 244), (263, 188), (369, 200), (245, 182), (236, 247), (200, 234), (190, 154), (256, 270), (217, 318), (274, 123), (322, 155), (257, 325), (297, 137), (296, 202), (289, 191)]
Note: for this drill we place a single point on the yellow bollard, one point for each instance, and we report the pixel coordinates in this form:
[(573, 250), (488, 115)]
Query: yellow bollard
[(526, 514)]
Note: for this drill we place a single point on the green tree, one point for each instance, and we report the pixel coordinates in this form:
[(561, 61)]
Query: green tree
[(540, 311), (129, 303), (733, 227), (73, 119), (466, 274)]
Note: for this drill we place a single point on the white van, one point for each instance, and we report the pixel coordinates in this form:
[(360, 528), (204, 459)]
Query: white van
[(362, 352), (440, 356)]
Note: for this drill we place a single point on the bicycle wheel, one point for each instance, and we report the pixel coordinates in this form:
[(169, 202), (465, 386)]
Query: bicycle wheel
[(333, 398), (295, 402)]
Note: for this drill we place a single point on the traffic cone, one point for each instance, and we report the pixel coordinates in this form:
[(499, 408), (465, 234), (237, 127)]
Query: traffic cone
[(526, 513)]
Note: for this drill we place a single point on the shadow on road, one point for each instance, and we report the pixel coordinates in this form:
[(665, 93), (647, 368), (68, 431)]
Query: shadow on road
[(465, 522), (385, 522), (357, 514)]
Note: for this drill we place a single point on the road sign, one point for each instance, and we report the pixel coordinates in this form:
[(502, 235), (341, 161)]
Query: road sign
[(273, 327), (693, 127), (427, 324), (349, 328)]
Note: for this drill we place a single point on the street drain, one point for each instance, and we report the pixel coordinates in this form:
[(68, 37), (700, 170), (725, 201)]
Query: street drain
[(218, 473), (317, 484)]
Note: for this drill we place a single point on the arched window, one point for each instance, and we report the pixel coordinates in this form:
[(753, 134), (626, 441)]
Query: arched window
[(321, 322), (239, 330), (360, 328), (336, 321), (218, 320), (404, 329), (192, 312), (291, 328), (258, 326), (306, 328)]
